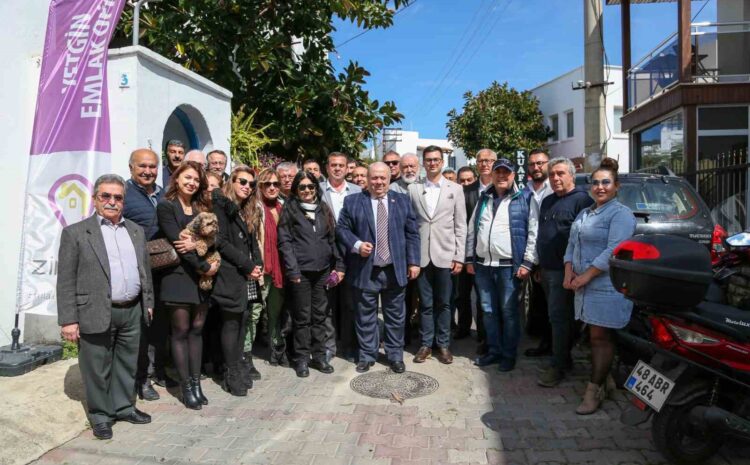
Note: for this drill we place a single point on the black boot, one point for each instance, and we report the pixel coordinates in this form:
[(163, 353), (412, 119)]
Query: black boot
[(188, 396), (197, 390), (233, 382), (146, 391), (249, 367)]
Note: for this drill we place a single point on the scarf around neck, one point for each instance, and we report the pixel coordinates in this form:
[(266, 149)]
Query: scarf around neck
[(272, 265)]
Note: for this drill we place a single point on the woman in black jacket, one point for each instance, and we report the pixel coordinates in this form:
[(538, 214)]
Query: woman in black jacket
[(236, 282), (186, 197), (308, 248)]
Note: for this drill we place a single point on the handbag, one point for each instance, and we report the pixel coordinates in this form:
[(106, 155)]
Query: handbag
[(253, 291), (161, 254)]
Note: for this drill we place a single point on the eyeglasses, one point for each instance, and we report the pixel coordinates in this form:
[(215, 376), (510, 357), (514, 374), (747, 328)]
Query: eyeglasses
[(486, 161), (603, 182), (538, 163), (306, 187), (245, 182), (392, 162), (106, 197), (433, 160), (268, 184)]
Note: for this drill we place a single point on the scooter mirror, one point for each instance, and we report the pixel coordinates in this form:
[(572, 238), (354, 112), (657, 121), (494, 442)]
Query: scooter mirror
[(739, 240)]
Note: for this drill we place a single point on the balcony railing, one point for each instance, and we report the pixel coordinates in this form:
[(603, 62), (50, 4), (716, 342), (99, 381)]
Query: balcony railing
[(720, 53)]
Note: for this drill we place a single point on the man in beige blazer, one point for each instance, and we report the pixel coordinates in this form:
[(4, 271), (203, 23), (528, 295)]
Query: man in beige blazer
[(441, 216)]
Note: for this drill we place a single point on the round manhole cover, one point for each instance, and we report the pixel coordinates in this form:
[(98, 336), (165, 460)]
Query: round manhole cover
[(383, 384)]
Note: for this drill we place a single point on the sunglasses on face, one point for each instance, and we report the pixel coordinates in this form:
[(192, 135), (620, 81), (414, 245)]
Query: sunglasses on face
[(245, 182), (268, 184), (392, 162), (305, 187), (603, 182), (106, 197)]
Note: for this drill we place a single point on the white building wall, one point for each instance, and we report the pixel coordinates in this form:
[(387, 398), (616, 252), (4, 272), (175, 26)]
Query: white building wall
[(22, 37), (556, 97), (137, 114)]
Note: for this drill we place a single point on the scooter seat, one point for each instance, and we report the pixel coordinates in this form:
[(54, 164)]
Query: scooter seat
[(725, 316)]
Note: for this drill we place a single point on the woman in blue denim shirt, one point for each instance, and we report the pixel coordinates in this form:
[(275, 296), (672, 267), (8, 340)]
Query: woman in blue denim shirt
[(593, 236)]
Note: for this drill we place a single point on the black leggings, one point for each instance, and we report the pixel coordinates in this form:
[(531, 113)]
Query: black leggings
[(187, 338), (233, 330)]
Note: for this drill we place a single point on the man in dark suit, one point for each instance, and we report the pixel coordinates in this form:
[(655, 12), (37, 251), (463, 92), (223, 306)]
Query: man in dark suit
[(104, 292), (485, 158), (340, 320), (378, 229)]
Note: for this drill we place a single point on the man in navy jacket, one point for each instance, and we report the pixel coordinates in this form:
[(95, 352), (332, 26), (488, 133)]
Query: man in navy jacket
[(141, 196), (378, 229), (556, 215)]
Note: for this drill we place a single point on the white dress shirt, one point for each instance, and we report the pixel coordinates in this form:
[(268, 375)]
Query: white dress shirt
[(432, 194), (337, 197)]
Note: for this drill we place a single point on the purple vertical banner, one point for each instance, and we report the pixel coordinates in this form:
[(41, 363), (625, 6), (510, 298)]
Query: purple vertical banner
[(72, 104), (70, 144)]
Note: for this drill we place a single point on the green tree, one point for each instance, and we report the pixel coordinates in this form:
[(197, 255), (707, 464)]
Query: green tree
[(246, 46), (500, 118)]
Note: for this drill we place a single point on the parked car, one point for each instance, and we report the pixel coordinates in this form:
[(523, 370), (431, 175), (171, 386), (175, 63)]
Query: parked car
[(667, 204)]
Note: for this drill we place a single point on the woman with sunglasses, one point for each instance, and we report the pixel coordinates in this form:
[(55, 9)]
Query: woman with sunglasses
[(308, 249), (264, 214), (241, 268), (186, 197), (595, 233)]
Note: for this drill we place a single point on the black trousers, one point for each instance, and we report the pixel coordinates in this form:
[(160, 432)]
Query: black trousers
[(537, 321), (341, 315), (309, 305), (154, 344), (463, 304)]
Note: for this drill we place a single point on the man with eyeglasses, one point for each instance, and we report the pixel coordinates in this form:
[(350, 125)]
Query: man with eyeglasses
[(104, 294), (441, 218), (537, 319), (142, 193), (287, 171), (217, 163), (340, 318), (485, 158), (175, 153)]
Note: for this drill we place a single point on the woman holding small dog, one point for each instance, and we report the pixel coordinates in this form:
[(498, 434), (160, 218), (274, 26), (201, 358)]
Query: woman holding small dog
[(236, 283), (308, 249), (186, 197)]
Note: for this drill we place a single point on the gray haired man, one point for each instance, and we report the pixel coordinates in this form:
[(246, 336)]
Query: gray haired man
[(104, 292), (556, 215)]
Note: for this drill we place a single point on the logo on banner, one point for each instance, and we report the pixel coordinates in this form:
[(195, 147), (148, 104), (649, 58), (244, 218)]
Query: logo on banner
[(70, 199)]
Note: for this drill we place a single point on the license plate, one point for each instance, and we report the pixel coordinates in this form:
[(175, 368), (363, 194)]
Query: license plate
[(649, 385)]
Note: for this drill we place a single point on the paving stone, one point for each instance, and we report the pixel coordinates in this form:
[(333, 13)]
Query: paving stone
[(467, 456)]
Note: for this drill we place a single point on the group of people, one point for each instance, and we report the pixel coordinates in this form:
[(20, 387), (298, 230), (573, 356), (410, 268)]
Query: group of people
[(320, 256)]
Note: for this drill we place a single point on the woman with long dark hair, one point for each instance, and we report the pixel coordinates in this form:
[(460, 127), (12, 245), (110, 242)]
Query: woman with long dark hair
[(186, 197), (308, 248), (241, 267)]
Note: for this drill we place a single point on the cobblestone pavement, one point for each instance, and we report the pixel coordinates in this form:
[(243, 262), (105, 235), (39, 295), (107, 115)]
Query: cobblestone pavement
[(477, 416)]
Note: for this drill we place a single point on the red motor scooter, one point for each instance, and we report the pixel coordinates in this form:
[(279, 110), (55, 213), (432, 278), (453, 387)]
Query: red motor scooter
[(693, 376)]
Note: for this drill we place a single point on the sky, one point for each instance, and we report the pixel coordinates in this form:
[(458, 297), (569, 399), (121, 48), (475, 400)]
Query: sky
[(437, 50)]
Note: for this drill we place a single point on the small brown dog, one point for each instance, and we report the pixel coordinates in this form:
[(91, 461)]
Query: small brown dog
[(203, 230)]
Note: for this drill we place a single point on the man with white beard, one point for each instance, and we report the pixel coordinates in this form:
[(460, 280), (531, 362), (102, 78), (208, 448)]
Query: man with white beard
[(409, 173)]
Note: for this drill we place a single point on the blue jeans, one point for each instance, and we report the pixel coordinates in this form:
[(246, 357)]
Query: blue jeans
[(560, 309), (435, 286), (498, 296)]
